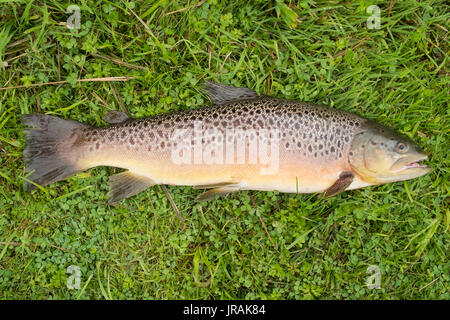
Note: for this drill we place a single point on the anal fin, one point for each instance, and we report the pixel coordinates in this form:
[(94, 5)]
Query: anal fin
[(217, 185), (211, 194), (126, 184), (342, 183)]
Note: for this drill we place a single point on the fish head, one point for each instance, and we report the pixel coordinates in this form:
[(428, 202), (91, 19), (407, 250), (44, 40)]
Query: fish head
[(380, 155)]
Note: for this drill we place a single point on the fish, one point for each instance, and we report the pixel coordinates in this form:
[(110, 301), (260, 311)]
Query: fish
[(243, 141)]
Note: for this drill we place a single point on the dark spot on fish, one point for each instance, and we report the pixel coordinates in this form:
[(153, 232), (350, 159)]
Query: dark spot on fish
[(315, 154), (166, 125), (351, 123), (310, 148), (141, 136), (97, 145), (131, 141), (260, 123), (299, 144), (151, 135), (333, 149), (162, 144), (215, 115), (351, 153), (123, 134), (320, 146)]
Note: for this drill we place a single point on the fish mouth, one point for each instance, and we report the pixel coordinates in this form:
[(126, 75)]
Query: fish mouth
[(400, 164)]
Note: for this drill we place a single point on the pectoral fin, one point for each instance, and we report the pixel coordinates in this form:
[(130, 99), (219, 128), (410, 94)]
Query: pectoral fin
[(114, 116), (127, 184), (211, 194), (345, 179)]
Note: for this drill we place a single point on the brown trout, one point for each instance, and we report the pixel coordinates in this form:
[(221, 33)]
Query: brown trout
[(243, 142)]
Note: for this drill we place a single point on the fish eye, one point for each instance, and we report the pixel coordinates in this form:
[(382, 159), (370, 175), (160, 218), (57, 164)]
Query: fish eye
[(402, 147)]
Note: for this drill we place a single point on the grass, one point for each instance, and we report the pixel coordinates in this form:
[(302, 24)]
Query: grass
[(249, 245)]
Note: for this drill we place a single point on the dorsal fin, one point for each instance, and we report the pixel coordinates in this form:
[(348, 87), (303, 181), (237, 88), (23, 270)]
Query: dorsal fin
[(114, 116), (221, 93)]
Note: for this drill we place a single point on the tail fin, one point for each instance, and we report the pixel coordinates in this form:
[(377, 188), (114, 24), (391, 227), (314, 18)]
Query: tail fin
[(48, 154)]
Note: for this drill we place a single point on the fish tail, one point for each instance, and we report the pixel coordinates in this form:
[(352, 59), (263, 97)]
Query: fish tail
[(49, 152)]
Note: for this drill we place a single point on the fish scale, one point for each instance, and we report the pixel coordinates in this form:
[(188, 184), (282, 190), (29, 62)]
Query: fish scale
[(307, 130), (318, 149)]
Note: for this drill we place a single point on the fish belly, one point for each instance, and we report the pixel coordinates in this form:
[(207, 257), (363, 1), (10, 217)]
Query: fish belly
[(293, 174)]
